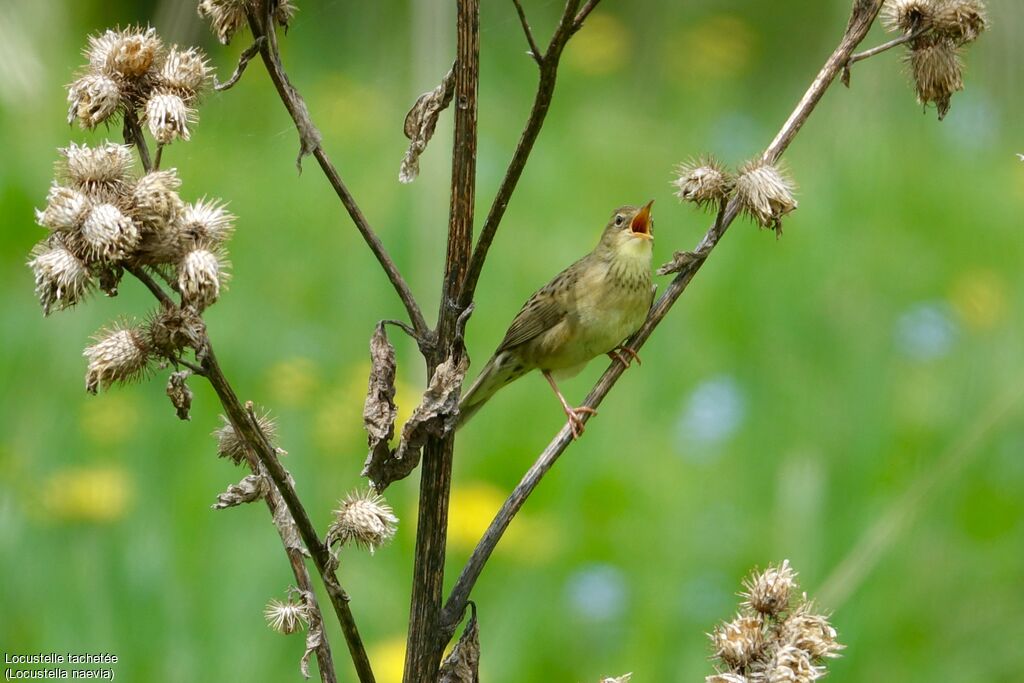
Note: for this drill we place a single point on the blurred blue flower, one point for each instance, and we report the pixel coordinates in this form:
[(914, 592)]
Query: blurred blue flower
[(926, 331), (712, 413), (973, 123), (597, 592)]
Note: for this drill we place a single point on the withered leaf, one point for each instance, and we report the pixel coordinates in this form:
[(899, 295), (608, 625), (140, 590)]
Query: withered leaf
[(252, 487), (180, 394), (463, 664), (420, 123), (379, 410), (284, 522), (314, 634)]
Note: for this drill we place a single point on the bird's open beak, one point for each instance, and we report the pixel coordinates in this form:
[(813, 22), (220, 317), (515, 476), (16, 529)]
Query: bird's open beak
[(642, 225)]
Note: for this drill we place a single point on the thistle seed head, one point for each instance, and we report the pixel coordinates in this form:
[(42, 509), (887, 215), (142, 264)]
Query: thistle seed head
[(103, 169), (768, 592), (120, 354), (231, 445), (155, 201), (703, 182), (207, 221), (907, 16), (960, 21), (363, 518), (66, 209), (61, 278), (186, 71), (200, 275), (286, 617), (130, 53), (740, 641), (168, 116), (226, 17), (766, 193), (93, 99), (938, 74), (108, 234)]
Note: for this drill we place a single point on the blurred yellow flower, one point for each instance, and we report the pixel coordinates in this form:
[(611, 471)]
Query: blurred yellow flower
[(109, 419), (353, 108), (601, 47), (979, 297), (388, 658), (472, 508), (87, 494), (293, 381), (718, 48)]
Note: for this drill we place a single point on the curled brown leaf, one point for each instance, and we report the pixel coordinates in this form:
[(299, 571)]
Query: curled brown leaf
[(420, 123)]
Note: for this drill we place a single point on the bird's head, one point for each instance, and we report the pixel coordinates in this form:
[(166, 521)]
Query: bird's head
[(630, 229)]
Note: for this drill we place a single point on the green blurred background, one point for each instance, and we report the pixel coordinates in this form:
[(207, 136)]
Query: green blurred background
[(857, 379)]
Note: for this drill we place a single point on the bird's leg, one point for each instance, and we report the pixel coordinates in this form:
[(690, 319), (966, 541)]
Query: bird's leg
[(625, 355), (575, 422)]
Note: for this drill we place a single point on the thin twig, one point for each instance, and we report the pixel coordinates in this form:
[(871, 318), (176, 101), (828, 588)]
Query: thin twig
[(310, 144), (541, 103), (895, 42), (864, 14), (577, 23), (534, 50), (423, 646), (133, 136), (243, 61), (158, 157)]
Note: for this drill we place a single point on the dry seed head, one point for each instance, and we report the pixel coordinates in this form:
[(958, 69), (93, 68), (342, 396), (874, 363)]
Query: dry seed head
[(769, 591), (726, 678), (767, 194), (226, 17), (207, 221), (960, 21), (155, 201), (740, 641), (363, 518), (168, 117), (131, 52), (173, 329), (120, 354), (286, 617), (907, 16), (185, 70), (788, 664), (938, 73), (102, 169), (231, 445), (92, 99), (704, 181), (200, 275), (284, 12), (61, 278), (99, 49), (109, 234), (66, 209), (811, 633)]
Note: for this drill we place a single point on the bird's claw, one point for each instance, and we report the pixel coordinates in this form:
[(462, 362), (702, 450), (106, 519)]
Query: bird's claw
[(625, 355), (576, 422)]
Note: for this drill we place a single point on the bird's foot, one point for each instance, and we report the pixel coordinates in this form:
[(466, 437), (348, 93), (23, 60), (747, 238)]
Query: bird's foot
[(575, 421), (625, 355)]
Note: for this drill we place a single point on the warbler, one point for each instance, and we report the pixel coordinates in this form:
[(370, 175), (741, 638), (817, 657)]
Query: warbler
[(587, 310)]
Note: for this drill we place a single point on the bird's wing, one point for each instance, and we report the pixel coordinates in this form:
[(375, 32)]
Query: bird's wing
[(540, 313)]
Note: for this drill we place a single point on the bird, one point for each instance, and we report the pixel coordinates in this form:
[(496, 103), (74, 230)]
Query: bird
[(587, 310)]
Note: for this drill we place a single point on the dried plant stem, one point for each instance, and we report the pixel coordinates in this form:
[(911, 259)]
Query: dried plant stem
[(567, 25), (424, 647), (534, 50), (262, 26), (864, 15), (884, 47), (248, 429)]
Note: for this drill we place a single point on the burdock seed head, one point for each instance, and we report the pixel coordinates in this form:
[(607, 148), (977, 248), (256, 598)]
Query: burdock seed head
[(703, 181), (740, 641), (960, 21), (201, 273), (121, 354), (766, 193), (108, 233), (908, 16), (363, 518), (66, 209), (286, 617), (155, 201), (93, 99), (207, 221), (168, 116), (185, 70), (61, 278), (103, 169), (231, 445), (938, 73), (768, 592)]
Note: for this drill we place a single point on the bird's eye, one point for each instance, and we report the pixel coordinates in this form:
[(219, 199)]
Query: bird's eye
[(619, 218)]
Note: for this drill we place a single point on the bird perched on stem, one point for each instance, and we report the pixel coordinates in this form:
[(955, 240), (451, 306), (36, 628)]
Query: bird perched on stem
[(587, 310)]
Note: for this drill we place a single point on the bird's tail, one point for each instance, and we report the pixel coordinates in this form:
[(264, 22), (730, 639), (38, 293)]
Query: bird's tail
[(499, 371)]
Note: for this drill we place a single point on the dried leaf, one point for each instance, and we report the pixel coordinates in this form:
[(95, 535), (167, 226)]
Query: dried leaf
[(285, 523), (180, 394), (420, 123), (314, 634), (252, 487), (680, 261), (463, 664), (379, 410)]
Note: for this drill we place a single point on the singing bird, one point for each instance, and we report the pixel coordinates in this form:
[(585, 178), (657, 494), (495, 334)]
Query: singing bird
[(587, 310)]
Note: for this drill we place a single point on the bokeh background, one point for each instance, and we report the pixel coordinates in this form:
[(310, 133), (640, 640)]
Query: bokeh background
[(847, 397)]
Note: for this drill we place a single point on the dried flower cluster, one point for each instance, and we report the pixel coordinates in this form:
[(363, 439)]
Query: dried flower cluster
[(363, 518), (131, 71), (286, 617), (773, 639), (765, 193), (228, 16), (940, 29)]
